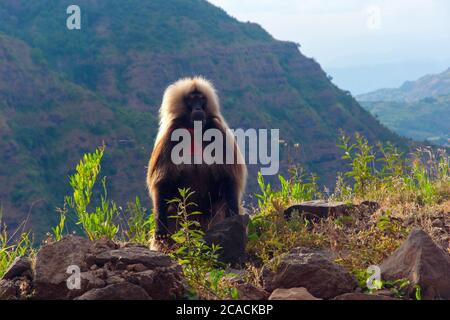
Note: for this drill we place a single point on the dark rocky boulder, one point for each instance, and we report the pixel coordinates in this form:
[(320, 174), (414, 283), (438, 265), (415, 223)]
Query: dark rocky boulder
[(118, 291), (317, 209), (423, 263), (369, 207), (106, 271), (247, 291), (231, 236), (363, 296), (16, 281), (8, 290), (322, 209), (21, 266), (292, 294), (52, 262), (130, 255), (312, 270)]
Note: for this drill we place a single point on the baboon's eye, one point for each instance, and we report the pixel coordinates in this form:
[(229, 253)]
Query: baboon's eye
[(203, 101), (195, 100)]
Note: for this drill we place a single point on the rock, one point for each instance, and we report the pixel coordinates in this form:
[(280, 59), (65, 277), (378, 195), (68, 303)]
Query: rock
[(247, 291), (94, 267), (422, 262), (159, 284), (292, 294), (317, 209), (231, 236), (136, 267), (437, 223), (104, 245), (444, 241), (131, 255), (18, 288), (363, 296), (369, 207), (114, 279), (19, 267), (118, 291), (51, 265), (91, 280), (104, 267), (312, 270), (154, 271), (385, 292), (409, 221), (8, 290)]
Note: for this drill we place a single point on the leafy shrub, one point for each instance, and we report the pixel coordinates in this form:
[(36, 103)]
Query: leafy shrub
[(361, 158), (103, 220), (199, 260), (140, 225), (13, 246), (294, 189), (376, 174), (100, 222)]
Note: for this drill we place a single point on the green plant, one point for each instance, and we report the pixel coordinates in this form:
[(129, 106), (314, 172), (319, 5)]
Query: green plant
[(425, 186), (271, 236), (387, 224), (362, 275), (392, 162), (397, 287), (100, 222), (300, 187), (59, 229), (418, 292), (140, 226), (199, 260), (266, 195), (443, 165), (294, 189), (423, 179), (361, 158), (342, 191), (12, 246)]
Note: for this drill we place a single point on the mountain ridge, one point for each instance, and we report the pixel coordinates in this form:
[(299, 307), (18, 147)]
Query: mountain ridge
[(432, 85), (419, 110)]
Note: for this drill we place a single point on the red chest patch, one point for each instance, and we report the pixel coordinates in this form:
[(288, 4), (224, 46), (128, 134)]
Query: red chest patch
[(196, 147)]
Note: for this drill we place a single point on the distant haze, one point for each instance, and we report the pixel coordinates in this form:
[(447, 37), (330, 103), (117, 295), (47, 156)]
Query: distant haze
[(364, 45)]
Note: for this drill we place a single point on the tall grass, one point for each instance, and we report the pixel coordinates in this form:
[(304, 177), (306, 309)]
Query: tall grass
[(415, 184), (298, 187), (139, 225), (375, 173), (103, 220), (99, 222), (18, 244)]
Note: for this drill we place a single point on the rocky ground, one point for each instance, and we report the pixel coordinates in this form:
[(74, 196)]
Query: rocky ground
[(111, 271)]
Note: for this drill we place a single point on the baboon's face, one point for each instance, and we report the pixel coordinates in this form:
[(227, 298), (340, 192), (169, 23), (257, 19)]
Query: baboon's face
[(196, 104)]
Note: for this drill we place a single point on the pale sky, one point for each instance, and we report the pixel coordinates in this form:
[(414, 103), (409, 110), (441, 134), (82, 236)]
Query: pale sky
[(363, 44)]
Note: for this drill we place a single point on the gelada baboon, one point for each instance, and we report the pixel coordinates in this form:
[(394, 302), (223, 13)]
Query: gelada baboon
[(218, 188)]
